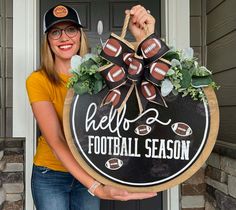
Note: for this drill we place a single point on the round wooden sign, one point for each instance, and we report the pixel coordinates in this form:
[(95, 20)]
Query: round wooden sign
[(151, 151)]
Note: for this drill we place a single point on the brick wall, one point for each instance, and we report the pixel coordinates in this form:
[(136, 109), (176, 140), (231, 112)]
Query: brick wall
[(221, 182), (11, 174), (193, 191)]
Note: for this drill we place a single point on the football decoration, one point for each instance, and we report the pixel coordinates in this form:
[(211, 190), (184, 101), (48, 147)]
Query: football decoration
[(148, 90), (182, 129), (127, 58), (114, 164), (143, 130), (158, 70), (115, 74), (136, 133), (150, 47), (113, 97), (135, 67), (112, 47)]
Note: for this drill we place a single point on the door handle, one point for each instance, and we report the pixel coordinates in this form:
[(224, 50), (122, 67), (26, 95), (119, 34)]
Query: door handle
[(100, 27), (100, 30)]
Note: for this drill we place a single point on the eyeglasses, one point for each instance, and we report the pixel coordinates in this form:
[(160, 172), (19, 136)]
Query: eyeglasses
[(70, 31)]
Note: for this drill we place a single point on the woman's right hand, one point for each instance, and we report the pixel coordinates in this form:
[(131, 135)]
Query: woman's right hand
[(107, 192)]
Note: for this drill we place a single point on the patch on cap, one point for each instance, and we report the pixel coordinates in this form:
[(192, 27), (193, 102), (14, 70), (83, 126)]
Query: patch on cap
[(60, 11)]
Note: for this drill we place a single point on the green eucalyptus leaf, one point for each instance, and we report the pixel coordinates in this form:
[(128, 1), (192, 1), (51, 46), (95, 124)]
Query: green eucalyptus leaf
[(80, 89), (84, 77), (201, 81), (98, 76), (175, 92), (170, 72), (201, 71), (171, 55), (97, 86), (75, 61), (87, 64), (176, 63), (166, 87), (75, 71), (186, 78), (187, 53)]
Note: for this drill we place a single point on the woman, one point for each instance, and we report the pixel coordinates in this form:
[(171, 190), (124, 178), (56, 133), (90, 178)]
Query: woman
[(58, 181)]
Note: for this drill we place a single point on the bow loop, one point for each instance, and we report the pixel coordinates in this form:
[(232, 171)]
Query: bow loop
[(114, 75), (157, 71), (136, 68), (152, 48)]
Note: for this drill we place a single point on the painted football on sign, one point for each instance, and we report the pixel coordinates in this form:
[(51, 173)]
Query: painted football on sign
[(181, 129), (150, 47), (148, 90), (112, 47), (114, 164), (143, 130), (158, 70), (116, 74)]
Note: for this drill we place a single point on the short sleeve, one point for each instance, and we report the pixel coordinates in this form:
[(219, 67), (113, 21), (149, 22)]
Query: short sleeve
[(37, 87)]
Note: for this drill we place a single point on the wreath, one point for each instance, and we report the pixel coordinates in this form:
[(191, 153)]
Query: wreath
[(185, 76)]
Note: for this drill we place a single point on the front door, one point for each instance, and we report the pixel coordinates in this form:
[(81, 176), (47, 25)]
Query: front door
[(111, 14)]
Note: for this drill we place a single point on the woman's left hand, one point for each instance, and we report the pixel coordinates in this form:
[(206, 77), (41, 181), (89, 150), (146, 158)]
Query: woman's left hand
[(142, 23)]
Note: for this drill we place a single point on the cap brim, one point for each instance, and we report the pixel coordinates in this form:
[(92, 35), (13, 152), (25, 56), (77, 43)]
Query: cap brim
[(62, 20)]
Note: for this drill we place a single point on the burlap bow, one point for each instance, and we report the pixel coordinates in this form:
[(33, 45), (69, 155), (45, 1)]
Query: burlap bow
[(142, 70)]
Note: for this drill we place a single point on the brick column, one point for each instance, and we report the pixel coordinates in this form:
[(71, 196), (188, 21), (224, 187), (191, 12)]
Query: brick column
[(12, 174), (193, 191), (2, 166), (221, 182)]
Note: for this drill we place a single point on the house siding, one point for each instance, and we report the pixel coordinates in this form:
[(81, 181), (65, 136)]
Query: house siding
[(221, 46), (213, 38)]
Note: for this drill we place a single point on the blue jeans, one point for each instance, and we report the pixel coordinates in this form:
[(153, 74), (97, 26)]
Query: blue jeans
[(55, 190)]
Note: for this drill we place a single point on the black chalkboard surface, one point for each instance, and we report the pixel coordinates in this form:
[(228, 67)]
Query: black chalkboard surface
[(151, 151)]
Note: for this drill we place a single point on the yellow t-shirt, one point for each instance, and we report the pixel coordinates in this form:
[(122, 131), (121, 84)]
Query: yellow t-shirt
[(39, 88)]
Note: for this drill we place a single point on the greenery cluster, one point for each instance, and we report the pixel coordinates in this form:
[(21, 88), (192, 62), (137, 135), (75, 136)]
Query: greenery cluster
[(186, 76), (85, 76)]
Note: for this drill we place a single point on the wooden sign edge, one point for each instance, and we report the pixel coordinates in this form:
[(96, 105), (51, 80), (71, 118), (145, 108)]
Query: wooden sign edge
[(213, 132)]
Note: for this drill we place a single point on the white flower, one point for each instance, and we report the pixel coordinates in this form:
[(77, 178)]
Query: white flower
[(166, 87), (75, 62)]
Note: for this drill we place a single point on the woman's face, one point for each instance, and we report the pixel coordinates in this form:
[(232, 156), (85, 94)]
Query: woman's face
[(67, 44)]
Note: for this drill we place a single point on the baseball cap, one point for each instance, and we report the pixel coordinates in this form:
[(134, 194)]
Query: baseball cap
[(60, 13)]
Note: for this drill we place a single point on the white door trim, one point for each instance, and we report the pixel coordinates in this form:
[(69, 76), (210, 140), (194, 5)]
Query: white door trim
[(176, 32), (176, 29), (25, 60)]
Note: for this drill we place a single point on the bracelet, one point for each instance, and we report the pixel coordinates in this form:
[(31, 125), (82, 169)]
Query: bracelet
[(93, 187)]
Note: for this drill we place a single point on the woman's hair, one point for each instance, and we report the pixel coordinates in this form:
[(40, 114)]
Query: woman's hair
[(48, 57)]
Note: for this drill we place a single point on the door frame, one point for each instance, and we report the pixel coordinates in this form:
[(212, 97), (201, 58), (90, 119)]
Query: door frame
[(26, 58)]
